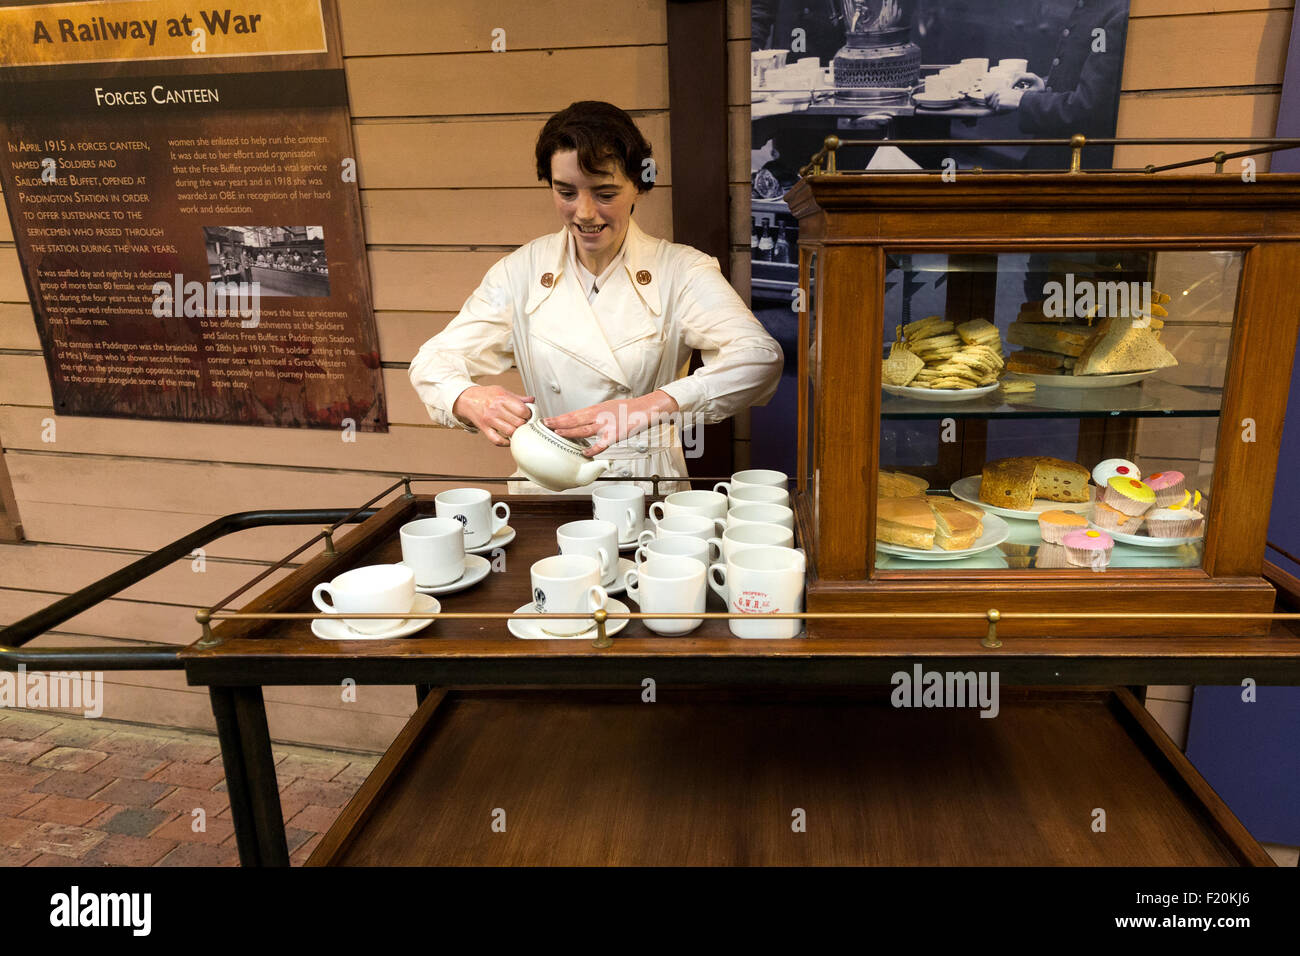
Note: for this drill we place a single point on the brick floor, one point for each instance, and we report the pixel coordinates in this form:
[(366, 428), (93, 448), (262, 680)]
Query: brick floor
[(104, 793)]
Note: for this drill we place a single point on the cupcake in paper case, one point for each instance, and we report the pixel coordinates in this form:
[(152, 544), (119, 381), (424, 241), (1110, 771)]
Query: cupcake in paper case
[(1051, 556), (1112, 519), (1168, 487), (1053, 525), (1114, 468), (1089, 549), (1129, 495), (1176, 521)]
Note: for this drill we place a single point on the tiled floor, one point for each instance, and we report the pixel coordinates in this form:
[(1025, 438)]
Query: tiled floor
[(77, 792)]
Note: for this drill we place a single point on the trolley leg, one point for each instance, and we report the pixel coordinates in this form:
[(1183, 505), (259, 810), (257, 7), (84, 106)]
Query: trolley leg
[(232, 758), (259, 764)]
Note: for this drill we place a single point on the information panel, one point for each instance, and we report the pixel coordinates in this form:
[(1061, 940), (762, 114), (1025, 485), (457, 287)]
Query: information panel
[(182, 186)]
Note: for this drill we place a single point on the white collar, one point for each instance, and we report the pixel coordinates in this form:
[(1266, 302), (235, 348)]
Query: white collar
[(588, 281)]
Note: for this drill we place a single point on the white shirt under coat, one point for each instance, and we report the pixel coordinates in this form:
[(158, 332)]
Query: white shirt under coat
[(575, 346)]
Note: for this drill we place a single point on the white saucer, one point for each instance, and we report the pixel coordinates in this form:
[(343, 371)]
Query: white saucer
[(619, 586), (628, 545), (498, 540), (476, 569), (323, 627), (531, 628)]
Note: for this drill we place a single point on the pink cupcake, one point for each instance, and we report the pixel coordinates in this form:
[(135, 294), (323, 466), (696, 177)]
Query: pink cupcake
[(1089, 549), (1129, 495), (1176, 521), (1168, 486)]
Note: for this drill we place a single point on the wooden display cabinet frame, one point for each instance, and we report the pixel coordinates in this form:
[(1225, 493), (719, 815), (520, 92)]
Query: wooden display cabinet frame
[(854, 221)]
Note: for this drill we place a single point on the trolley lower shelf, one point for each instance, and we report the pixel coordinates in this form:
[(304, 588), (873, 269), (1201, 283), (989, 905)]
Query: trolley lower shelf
[(582, 777)]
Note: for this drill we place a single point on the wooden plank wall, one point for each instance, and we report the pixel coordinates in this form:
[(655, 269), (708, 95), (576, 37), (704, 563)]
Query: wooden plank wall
[(444, 131)]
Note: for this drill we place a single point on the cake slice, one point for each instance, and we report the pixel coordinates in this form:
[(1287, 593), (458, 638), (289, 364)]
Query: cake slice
[(905, 521), (1065, 339), (958, 524), (1119, 347)]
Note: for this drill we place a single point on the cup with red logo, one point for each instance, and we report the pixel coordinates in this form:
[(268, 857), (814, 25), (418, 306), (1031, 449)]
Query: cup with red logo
[(762, 580)]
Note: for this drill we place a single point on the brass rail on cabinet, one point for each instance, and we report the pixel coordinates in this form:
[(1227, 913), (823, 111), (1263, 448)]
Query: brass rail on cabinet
[(990, 640), (1264, 144)]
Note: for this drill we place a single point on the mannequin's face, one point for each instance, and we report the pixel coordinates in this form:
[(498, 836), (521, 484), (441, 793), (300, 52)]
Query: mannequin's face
[(595, 209)]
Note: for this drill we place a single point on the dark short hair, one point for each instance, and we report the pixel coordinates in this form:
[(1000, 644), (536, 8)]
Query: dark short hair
[(598, 132)]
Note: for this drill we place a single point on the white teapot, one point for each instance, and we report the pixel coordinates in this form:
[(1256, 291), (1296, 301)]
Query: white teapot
[(548, 460)]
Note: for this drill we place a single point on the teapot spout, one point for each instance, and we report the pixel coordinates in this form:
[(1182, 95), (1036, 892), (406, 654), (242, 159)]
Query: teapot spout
[(592, 470)]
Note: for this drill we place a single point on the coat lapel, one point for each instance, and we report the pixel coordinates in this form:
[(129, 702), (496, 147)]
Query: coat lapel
[(560, 315)]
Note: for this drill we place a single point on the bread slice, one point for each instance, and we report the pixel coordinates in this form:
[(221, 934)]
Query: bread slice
[(1065, 339), (958, 524), (905, 521), (1119, 347)]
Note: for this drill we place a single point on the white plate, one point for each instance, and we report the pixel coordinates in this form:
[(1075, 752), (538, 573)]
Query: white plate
[(323, 627), (531, 628), (939, 394), (498, 540), (968, 489), (1084, 381), (935, 102), (995, 532), (1145, 540), (476, 569), (619, 586)]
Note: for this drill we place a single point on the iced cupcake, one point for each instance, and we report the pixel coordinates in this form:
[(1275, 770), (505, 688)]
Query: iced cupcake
[(1112, 519), (1114, 468), (1129, 495), (1168, 487), (1176, 521), (1053, 525), (1088, 549)]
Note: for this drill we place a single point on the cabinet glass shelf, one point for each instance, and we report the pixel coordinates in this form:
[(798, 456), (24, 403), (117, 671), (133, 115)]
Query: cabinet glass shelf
[(1151, 398)]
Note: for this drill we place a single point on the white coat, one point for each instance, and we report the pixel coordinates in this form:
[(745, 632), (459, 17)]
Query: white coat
[(530, 311)]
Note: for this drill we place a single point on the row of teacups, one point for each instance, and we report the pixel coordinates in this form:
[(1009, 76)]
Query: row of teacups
[(740, 543), (951, 81), (433, 554)]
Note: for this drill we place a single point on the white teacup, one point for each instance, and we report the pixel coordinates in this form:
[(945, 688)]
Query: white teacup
[(762, 581), (434, 548), (761, 514), (697, 526), (742, 537), (1013, 66), (758, 495), (567, 583), (624, 505), (593, 537), (666, 585), (976, 65), (474, 509), (679, 546), (753, 476), (710, 504), (374, 589)]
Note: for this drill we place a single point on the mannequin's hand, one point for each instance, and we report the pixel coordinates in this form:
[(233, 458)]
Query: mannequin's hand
[(493, 410), (1010, 99), (612, 421)]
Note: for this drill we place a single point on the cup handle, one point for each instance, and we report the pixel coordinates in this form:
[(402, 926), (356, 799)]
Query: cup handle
[(645, 537), (656, 518), (719, 587), (323, 588), (719, 525), (724, 487), (631, 520), (604, 561), (499, 521), (598, 597), (640, 555), (715, 543), (631, 582)]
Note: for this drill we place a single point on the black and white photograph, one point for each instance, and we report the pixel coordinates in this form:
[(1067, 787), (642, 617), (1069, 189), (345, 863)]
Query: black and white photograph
[(283, 260)]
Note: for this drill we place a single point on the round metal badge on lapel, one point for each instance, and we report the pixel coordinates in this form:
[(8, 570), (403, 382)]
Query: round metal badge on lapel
[(548, 279), (643, 277)]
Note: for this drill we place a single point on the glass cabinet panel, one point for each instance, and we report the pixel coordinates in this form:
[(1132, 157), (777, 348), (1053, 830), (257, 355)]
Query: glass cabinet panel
[(1087, 384)]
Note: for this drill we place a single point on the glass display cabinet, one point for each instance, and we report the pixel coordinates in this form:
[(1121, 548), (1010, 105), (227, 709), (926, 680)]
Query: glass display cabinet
[(1114, 349)]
